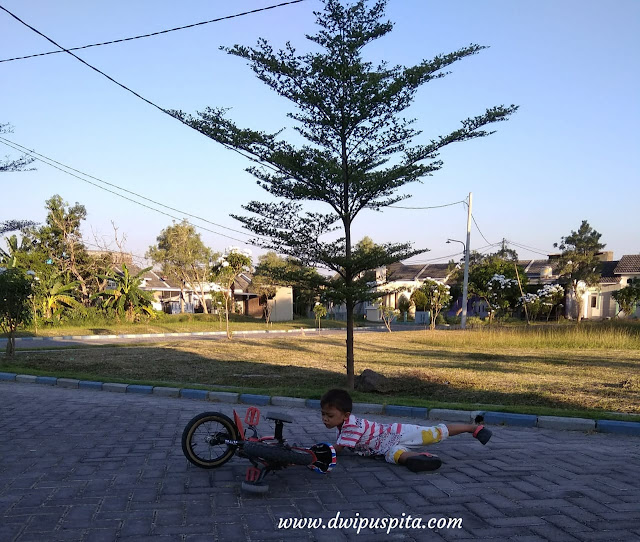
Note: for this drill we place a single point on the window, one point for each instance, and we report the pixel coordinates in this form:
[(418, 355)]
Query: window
[(594, 302)]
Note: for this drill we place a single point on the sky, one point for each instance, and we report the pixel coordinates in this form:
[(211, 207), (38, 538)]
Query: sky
[(570, 153)]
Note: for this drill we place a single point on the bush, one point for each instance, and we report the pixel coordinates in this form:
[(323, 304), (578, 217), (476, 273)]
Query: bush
[(475, 321), (452, 320), (440, 320)]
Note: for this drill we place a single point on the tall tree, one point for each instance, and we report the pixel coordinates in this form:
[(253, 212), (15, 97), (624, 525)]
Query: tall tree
[(359, 146), (579, 263), (183, 256), (62, 241)]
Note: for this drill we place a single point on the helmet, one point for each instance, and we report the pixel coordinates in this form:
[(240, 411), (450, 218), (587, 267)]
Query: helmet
[(326, 457)]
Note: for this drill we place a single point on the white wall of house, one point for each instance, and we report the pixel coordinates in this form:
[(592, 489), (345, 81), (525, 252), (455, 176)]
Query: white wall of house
[(282, 305)]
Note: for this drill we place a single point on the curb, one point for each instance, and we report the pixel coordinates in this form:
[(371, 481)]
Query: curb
[(490, 418), (303, 331)]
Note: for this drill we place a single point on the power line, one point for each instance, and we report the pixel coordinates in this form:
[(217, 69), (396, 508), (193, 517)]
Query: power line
[(480, 231), (163, 110), (52, 163), (37, 156), (151, 33), (423, 208), (528, 248)]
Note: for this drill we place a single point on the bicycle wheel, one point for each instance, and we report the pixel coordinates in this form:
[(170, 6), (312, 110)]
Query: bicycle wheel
[(203, 440), (276, 454)]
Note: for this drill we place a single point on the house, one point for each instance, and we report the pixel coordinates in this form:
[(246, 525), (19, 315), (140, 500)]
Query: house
[(167, 294), (399, 280), (598, 302)]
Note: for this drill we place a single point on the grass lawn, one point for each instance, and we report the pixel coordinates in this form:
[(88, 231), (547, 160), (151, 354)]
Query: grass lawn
[(589, 371)]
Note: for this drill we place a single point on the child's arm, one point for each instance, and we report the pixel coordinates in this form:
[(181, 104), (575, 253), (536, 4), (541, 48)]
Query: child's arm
[(338, 448)]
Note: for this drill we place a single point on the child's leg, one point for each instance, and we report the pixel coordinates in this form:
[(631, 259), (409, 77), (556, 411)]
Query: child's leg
[(456, 429), (478, 431)]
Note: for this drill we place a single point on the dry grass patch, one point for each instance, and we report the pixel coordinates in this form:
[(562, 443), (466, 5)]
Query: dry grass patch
[(425, 367)]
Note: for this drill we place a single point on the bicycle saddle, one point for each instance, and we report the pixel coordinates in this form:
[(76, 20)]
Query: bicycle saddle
[(277, 417)]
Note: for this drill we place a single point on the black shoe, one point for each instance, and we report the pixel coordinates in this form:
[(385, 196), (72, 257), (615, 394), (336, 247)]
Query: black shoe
[(423, 462), (482, 434)]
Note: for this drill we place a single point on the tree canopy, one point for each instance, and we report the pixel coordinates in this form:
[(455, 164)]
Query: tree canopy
[(183, 256), (579, 261), (359, 149)]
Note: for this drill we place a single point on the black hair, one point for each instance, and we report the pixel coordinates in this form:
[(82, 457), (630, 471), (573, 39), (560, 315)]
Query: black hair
[(337, 398)]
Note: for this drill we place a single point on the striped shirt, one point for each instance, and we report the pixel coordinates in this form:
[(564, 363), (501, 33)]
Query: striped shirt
[(368, 438)]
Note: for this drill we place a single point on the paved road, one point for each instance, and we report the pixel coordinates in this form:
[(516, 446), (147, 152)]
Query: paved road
[(101, 340), (79, 465)]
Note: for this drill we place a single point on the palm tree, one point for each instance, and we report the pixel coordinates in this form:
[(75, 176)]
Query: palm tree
[(126, 298)]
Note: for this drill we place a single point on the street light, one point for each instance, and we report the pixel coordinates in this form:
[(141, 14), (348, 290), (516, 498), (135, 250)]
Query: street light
[(465, 283)]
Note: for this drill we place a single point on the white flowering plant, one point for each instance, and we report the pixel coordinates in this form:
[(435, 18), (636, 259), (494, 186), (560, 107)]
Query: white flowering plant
[(225, 269), (438, 297), (543, 301)]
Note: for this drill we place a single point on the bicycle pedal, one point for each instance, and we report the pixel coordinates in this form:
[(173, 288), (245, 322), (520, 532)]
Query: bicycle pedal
[(253, 474), (252, 417)]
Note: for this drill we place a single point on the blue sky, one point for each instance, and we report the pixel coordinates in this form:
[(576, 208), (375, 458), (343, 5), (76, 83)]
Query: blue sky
[(570, 153)]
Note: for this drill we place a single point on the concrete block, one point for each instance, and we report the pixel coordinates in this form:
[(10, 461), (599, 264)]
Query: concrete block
[(446, 414), (8, 376), (566, 424), (398, 411), (201, 395), (223, 397), (622, 428), (313, 403), (294, 402), (506, 418), (68, 383), (251, 399), (137, 388), (367, 408), (115, 387), (26, 379), (47, 380), (90, 385), (163, 391), (419, 412)]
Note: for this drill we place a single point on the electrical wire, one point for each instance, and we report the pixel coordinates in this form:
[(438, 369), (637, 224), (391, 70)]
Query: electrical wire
[(45, 161), (38, 156), (153, 33), (163, 110), (535, 251), (423, 208), (480, 231)]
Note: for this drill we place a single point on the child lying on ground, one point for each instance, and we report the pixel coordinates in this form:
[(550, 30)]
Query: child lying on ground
[(367, 438)]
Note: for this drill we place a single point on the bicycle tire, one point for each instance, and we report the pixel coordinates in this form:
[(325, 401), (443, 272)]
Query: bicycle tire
[(203, 440), (276, 454)]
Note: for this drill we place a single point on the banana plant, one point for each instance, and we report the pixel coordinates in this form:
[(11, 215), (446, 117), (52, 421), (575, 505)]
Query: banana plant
[(56, 297), (126, 298)]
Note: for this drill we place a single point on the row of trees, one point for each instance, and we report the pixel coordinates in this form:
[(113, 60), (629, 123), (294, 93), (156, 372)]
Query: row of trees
[(65, 279)]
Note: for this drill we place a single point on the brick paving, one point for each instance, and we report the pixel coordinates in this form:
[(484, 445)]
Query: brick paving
[(83, 465)]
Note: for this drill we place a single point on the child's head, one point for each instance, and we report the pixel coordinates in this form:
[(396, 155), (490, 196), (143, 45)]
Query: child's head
[(336, 407)]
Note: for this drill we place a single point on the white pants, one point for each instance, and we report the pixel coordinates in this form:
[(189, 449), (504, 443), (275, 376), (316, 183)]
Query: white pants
[(415, 435)]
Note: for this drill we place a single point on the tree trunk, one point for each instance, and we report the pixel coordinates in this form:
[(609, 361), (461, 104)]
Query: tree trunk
[(11, 345), (350, 356), (578, 299), (226, 314)]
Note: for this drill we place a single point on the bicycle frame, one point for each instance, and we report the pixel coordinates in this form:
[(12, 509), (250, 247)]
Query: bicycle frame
[(266, 454)]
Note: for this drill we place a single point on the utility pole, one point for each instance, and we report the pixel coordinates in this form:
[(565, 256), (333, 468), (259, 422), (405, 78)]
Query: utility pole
[(465, 285)]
